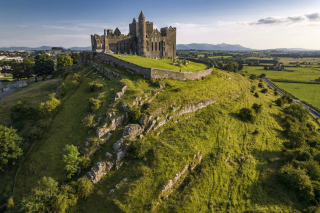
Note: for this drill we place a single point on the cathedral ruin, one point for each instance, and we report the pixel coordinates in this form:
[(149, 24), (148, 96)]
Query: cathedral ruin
[(142, 40)]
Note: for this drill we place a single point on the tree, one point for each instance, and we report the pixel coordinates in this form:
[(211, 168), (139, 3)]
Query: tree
[(94, 104), (257, 108), (85, 187), (253, 76), (71, 159), (64, 199), (10, 144), (75, 58), (263, 75), (266, 68), (64, 60), (261, 85), (297, 111), (44, 65), (94, 85), (50, 106), (41, 197)]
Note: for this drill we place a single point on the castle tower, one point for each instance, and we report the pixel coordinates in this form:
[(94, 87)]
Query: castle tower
[(105, 41), (142, 35)]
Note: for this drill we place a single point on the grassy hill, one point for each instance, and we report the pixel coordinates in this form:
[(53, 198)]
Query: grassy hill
[(240, 160)]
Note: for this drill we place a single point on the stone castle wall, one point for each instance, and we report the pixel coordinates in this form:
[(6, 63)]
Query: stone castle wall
[(154, 73)]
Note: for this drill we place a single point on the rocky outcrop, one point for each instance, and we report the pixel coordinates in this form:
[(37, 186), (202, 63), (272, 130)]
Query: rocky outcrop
[(132, 130), (99, 170), (151, 124), (190, 166), (117, 145), (119, 94), (116, 122)]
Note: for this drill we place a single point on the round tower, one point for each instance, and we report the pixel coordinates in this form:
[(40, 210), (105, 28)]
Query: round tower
[(142, 35)]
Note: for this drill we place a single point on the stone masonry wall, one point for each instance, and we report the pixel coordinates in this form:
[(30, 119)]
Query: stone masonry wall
[(154, 73)]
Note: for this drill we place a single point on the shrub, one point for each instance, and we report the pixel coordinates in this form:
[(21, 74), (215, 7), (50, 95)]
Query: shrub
[(94, 85), (10, 203), (254, 87), (279, 102), (85, 187), (64, 199), (134, 113), (85, 162), (10, 144), (44, 78), (263, 75), (88, 121), (71, 159), (51, 106), (297, 111), (264, 90), (41, 197), (63, 90), (287, 99), (256, 95), (261, 85), (94, 104), (260, 80), (77, 79), (247, 114), (21, 111), (253, 76), (312, 167), (276, 93), (139, 148), (257, 108), (298, 180)]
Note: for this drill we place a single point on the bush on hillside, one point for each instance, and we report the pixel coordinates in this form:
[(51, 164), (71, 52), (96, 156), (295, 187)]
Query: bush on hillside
[(279, 102), (247, 115), (257, 108), (63, 90), (76, 79), (256, 95), (297, 111), (21, 111), (41, 197), (51, 106), (85, 187), (253, 76), (276, 93), (254, 87), (264, 90), (134, 113), (10, 144), (94, 104), (88, 121), (312, 168), (261, 85), (298, 180), (71, 159), (94, 85)]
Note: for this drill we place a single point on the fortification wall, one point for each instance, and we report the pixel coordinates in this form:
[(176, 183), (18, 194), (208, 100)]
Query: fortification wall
[(146, 72), (154, 73)]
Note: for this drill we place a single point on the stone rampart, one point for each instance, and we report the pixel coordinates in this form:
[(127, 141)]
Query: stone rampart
[(154, 73)]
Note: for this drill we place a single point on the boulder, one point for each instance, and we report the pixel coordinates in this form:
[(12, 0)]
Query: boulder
[(132, 130)]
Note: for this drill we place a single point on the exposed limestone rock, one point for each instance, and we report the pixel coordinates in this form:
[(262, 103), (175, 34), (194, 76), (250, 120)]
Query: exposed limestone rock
[(120, 156), (191, 108), (97, 172), (114, 124), (117, 145), (151, 124), (124, 107), (132, 130), (176, 108), (143, 120), (161, 123), (108, 155)]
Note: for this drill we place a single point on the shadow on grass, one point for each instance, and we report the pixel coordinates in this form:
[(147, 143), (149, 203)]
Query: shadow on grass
[(270, 183)]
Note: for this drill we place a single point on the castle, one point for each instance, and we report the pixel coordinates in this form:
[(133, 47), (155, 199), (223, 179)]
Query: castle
[(142, 40)]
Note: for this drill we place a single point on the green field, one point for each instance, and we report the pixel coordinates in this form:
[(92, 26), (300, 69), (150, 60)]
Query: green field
[(286, 60), (305, 92), (162, 63), (300, 74)]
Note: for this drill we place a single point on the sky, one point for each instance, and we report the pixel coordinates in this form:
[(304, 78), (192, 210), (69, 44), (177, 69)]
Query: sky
[(257, 24)]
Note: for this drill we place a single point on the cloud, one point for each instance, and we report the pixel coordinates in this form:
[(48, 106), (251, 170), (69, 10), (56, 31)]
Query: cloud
[(286, 20), (313, 16)]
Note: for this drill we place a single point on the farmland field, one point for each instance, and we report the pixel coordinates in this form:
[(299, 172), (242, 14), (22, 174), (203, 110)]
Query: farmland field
[(286, 61), (300, 74), (305, 92)]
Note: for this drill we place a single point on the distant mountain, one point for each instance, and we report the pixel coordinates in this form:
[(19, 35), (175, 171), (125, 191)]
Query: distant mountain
[(291, 49), (223, 46), (41, 48)]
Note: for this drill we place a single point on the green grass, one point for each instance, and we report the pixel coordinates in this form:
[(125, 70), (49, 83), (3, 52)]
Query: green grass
[(216, 131), (300, 74), (162, 63), (305, 92), (219, 57), (286, 60)]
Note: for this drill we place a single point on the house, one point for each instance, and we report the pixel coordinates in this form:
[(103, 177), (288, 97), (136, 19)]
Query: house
[(17, 59)]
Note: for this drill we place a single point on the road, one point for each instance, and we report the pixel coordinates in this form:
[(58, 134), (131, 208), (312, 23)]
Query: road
[(12, 87), (312, 111)]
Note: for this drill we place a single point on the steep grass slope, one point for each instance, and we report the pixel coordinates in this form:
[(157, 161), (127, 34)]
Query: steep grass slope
[(240, 160)]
